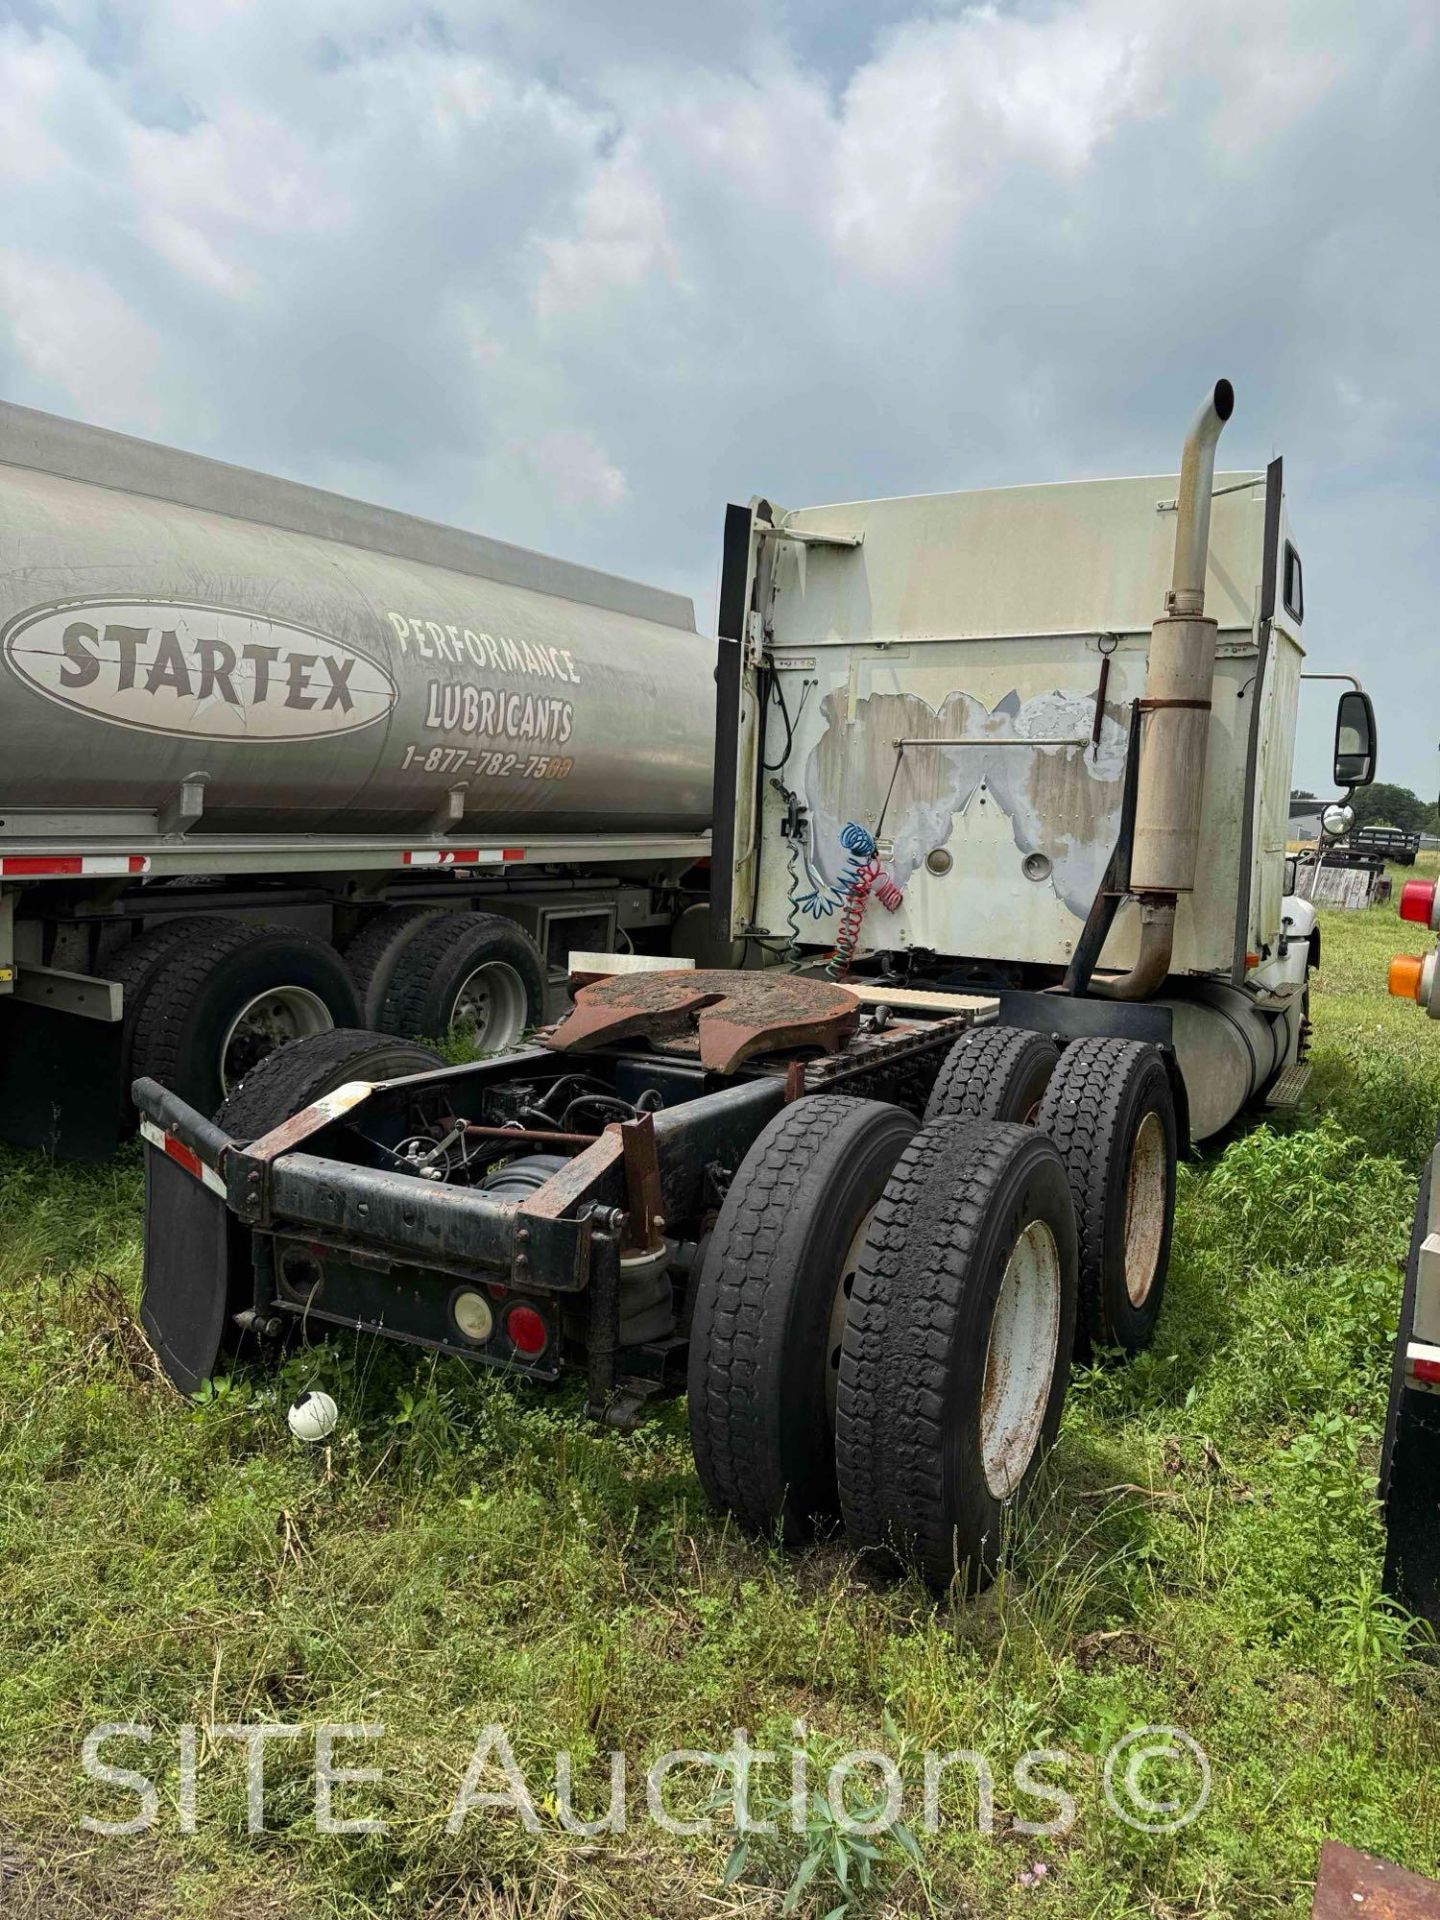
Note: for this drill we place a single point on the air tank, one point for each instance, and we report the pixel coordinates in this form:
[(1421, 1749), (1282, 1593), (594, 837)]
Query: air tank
[(327, 666)]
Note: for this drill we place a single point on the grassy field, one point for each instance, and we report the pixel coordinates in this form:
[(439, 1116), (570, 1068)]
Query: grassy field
[(1204, 1554)]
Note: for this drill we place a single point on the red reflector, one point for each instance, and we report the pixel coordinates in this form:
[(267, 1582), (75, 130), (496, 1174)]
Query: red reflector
[(183, 1157), (528, 1332), (19, 863), (1417, 901), (512, 853), (1428, 1371)]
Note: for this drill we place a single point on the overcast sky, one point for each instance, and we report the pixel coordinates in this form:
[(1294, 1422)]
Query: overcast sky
[(575, 273)]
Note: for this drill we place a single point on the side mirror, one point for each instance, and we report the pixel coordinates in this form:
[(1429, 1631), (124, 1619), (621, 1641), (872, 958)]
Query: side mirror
[(1354, 741), (1336, 821)]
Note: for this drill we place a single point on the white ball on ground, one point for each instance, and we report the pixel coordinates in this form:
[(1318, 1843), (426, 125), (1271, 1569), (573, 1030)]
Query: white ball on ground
[(312, 1416)]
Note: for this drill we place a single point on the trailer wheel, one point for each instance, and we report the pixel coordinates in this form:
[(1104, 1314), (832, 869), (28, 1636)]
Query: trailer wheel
[(956, 1353), (134, 969), (1410, 1462), (230, 995), (295, 1076), (475, 972), (1110, 1110), (372, 955), (770, 1308), (993, 1073)]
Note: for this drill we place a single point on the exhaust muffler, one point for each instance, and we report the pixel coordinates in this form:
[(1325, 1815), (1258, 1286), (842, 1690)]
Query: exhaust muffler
[(1175, 718)]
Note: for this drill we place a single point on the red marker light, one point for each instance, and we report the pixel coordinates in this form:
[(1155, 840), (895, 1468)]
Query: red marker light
[(1417, 902), (528, 1332), (1428, 1371)]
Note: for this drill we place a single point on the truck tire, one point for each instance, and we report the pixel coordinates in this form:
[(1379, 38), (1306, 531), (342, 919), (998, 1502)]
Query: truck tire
[(993, 1073), (473, 971), (134, 969), (371, 956), (1110, 1110), (1410, 1461), (294, 1076), (769, 1305), (956, 1353), (230, 995)]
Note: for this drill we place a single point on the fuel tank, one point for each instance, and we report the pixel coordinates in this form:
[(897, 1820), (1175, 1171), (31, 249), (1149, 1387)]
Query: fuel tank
[(329, 666)]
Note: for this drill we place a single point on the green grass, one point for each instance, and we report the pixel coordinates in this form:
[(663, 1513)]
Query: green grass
[(1204, 1552)]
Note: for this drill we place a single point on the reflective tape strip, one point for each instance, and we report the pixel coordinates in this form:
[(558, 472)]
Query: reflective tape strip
[(462, 856), (183, 1156), (18, 865), (1422, 1364)]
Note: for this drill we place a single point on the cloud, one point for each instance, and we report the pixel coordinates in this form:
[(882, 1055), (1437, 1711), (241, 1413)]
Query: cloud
[(74, 334), (579, 274), (576, 469)]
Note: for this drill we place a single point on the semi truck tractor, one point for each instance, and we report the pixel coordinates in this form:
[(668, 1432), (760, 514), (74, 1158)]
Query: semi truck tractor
[(997, 931), (1410, 1463), (274, 762)]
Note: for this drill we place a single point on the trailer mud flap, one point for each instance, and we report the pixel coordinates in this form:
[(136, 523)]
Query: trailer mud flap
[(197, 1274)]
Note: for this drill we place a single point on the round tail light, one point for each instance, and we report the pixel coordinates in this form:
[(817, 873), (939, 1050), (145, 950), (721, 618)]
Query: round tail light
[(527, 1331), (472, 1315)]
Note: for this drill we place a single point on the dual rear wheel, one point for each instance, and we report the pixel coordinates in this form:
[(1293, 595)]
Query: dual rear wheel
[(885, 1320), (882, 1330), (206, 1000)]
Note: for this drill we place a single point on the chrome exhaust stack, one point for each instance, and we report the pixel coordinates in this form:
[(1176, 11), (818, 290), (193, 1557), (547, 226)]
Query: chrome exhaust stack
[(1175, 718)]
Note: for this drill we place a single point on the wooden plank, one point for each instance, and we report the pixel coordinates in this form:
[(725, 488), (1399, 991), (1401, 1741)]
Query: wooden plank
[(921, 999)]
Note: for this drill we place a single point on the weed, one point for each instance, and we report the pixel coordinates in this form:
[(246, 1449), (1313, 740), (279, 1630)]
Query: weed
[(1203, 1552)]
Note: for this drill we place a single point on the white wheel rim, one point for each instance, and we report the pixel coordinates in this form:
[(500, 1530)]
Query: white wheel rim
[(1144, 1208), (490, 1007), (270, 1020), (1020, 1359), (839, 1306)]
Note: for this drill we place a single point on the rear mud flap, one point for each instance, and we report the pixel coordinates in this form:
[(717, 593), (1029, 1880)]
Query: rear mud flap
[(198, 1273)]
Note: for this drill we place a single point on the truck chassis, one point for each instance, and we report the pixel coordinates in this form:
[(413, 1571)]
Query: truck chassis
[(740, 1183)]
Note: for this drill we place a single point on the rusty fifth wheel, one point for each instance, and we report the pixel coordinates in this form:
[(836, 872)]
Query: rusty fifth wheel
[(770, 1308), (956, 1351), (993, 1073), (1111, 1112)]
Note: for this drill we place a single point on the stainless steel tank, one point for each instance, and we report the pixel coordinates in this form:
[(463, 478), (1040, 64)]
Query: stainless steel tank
[(328, 665)]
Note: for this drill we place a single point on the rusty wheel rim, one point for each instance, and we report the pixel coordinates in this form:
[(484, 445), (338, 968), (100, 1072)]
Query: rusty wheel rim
[(1144, 1208), (1020, 1359)]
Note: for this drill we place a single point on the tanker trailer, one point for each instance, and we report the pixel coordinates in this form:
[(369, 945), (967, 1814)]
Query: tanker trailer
[(273, 761)]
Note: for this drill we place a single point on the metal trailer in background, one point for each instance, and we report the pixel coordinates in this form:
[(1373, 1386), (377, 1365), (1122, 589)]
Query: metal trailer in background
[(273, 761), (1036, 847), (1410, 1463)]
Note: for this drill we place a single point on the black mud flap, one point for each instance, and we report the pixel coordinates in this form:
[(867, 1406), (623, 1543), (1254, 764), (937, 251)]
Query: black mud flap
[(198, 1273)]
